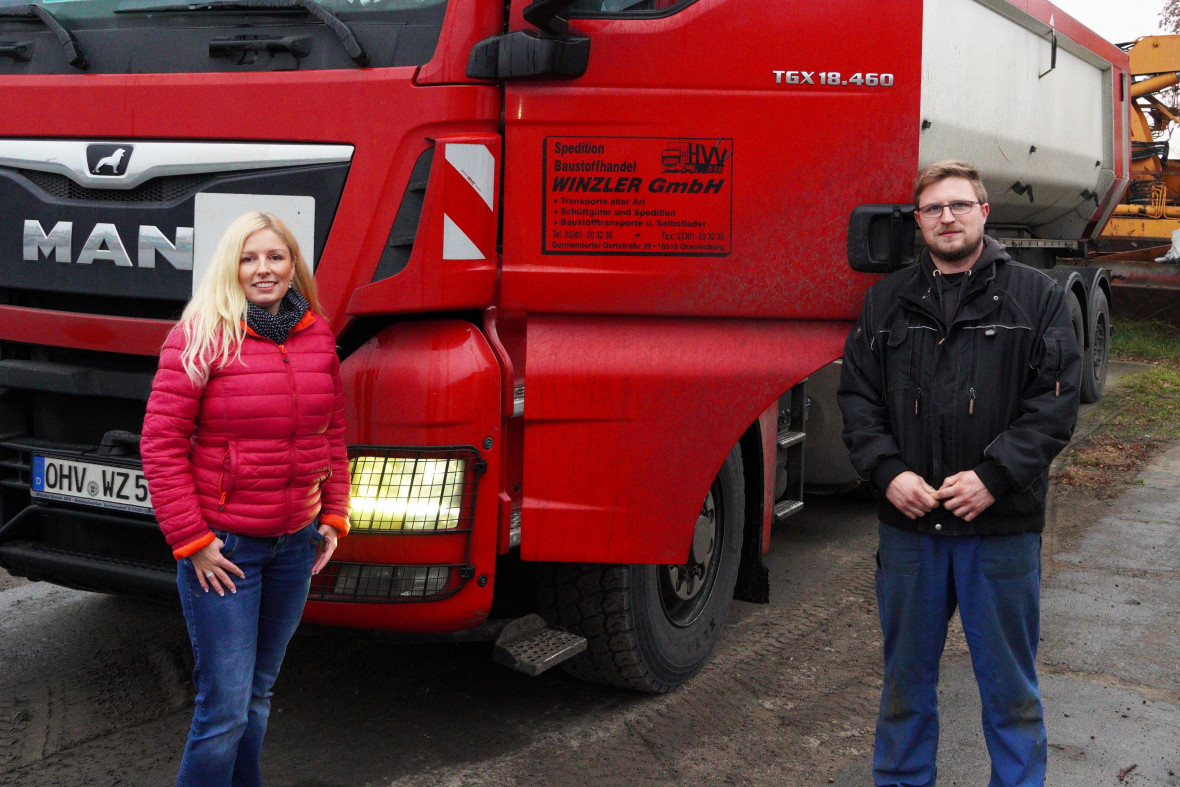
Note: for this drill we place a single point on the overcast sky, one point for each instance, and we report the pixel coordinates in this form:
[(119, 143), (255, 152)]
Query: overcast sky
[(1116, 20)]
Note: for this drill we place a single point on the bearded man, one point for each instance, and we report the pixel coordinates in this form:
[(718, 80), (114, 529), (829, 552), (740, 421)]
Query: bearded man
[(959, 386)]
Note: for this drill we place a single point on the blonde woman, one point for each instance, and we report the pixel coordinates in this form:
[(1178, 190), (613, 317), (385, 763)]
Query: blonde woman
[(243, 448)]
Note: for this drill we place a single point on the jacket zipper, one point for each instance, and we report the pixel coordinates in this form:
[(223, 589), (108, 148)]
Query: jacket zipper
[(294, 414), (936, 461), (932, 470), (294, 391)]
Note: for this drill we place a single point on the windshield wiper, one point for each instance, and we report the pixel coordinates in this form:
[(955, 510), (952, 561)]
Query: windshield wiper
[(315, 9), (69, 44)]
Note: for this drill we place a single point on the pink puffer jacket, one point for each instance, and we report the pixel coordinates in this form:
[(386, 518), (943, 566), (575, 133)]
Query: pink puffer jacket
[(259, 451)]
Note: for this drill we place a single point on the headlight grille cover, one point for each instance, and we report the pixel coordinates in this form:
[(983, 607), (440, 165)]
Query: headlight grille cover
[(413, 490), (366, 582)]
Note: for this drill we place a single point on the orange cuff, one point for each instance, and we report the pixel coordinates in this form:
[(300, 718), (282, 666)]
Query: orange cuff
[(193, 546), (339, 522)]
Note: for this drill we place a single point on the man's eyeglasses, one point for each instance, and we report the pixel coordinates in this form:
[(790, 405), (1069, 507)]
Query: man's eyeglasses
[(935, 211)]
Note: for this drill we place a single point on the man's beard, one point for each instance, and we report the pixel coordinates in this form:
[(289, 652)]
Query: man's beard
[(958, 254)]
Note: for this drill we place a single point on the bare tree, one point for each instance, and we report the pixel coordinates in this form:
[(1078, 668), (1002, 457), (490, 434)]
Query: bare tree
[(1170, 16), (1170, 21)]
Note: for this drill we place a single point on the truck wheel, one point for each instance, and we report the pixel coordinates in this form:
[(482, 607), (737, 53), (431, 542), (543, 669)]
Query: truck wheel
[(650, 628), (1095, 356), (1076, 317)]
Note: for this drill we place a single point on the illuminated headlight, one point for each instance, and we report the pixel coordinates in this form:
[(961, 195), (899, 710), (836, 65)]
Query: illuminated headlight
[(408, 491)]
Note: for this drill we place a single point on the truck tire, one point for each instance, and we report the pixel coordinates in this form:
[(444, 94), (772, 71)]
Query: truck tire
[(1095, 355), (650, 628), (1076, 317)]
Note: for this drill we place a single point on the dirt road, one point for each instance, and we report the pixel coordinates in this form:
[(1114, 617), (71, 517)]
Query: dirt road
[(94, 690)]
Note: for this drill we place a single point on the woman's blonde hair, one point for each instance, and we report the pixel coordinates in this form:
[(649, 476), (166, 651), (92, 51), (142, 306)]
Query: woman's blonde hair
[(214, 320)]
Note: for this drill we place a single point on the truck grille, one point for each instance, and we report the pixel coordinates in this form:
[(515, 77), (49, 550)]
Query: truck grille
[(16, 466), (157, 190)]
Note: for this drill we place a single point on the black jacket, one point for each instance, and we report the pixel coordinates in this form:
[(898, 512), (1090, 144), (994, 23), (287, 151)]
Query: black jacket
[(995, 391)]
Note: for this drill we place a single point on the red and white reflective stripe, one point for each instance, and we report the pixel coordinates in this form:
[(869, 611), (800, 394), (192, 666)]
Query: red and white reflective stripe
[(456, 244), (469, 217), (477, 165)]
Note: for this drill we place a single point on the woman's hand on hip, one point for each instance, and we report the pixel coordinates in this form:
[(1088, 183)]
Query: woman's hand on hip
[(326, 548), (214, 569)]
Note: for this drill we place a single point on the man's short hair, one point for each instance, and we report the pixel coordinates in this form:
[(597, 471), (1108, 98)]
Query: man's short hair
[(933, 173)]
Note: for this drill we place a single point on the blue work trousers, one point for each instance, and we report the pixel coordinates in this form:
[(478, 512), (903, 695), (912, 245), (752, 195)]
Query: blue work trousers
[(995, 581), (238, 644)]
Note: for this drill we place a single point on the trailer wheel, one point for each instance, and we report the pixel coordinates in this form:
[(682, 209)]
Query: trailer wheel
[(650, 628), (1095, 356)]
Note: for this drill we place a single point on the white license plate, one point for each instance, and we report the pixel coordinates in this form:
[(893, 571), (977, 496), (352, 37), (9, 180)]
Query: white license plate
[(105, 486)]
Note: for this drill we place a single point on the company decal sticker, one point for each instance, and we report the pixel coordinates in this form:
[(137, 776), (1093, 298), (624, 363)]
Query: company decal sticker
[(637, 195)]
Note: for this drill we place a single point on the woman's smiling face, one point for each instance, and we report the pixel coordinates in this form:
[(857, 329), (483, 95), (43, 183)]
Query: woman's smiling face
[(265, 269)]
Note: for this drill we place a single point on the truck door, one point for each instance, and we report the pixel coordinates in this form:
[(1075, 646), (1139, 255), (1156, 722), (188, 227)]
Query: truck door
[(675, 223)]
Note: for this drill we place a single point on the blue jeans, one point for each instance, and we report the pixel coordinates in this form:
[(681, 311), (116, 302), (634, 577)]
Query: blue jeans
[(996, 583), (238, 644)]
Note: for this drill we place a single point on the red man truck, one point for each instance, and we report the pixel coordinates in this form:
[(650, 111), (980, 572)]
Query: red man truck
[(581, 256)]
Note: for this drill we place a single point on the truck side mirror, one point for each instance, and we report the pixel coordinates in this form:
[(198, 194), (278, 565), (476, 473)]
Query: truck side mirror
[(525, 53), (881, 238)]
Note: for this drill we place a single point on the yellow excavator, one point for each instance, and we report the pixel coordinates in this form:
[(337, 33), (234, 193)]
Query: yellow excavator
[(1140, 231), (1151, 208)]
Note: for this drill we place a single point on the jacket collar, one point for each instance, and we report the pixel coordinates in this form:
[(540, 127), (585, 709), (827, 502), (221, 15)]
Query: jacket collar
[(307, 319), (983, 271), (921, 289)]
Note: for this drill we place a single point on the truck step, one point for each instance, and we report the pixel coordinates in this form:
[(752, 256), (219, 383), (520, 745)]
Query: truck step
[(787, 438), (785, 508), (530, 646)]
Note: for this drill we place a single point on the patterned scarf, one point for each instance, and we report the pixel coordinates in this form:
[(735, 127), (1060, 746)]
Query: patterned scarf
[(277, 327)]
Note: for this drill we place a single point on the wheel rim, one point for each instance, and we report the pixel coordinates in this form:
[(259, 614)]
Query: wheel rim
[(685, 589)]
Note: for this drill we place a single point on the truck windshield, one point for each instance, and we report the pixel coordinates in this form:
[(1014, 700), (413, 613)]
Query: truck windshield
[(624, 7), (98, 9), (215, 36)]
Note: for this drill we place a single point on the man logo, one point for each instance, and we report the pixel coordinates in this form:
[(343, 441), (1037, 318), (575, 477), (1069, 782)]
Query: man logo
[(109, 160)]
